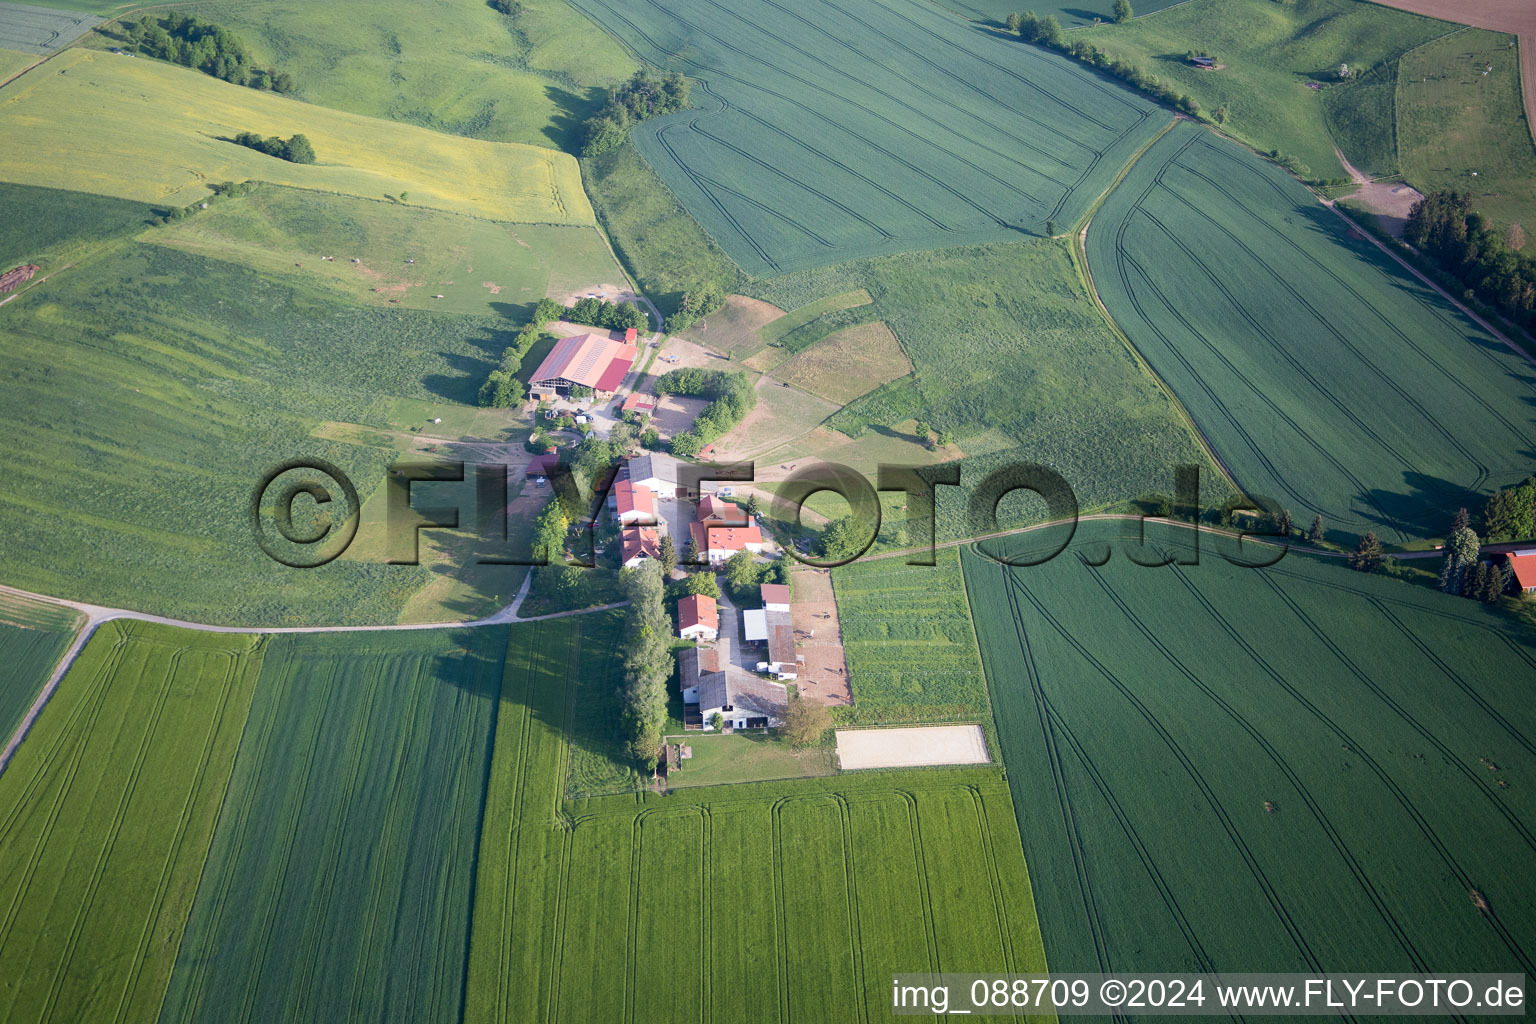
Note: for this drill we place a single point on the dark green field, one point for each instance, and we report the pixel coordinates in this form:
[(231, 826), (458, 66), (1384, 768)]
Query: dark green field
[(1295, 769), (825, 132), (1322, 373), (33, 637)]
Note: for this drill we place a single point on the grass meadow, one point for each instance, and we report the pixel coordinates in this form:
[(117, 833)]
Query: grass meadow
[(106, 814), (1286, 769), (794, 900), (82, 126), (823, 133), (1329, 380), (454, 67), (1271, 52), (12, 61), (149, 389), (1463, 129), (338, 882), (479, 267), (53, 228), (1073, 14), (33, 637), (848, 363), (1001, 338)]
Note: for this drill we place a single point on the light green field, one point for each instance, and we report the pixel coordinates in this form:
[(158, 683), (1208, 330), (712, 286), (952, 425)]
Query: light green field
[(108, 810), (12, 61), (84, 126), (1348, 754), (364, 760), (1454, 120), (805, 894), (1271, 51), (479, 266), (150, 390), (747, 756), (454, 66)]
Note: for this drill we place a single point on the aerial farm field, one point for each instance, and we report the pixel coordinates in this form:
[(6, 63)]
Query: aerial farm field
[(12, 61), (91, 106), (1330, 380), (795, 899), (106, 814), (1073, 14), (1461, 124), (339, 879), (454, 67), (848, 363), (1280, 84), (823, 133), (38, 30), (150, 389), (1262, 770), (406, 256), (33, 637)]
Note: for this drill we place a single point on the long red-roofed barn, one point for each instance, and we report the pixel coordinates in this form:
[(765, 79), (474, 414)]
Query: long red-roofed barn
[(595, 361)]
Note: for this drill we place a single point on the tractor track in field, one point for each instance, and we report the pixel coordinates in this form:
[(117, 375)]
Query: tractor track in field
[(1234, 835), (920, 868), (1336, 839), (1427, 830)]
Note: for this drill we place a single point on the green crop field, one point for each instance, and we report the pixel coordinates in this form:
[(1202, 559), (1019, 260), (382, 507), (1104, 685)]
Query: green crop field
[(33, 637), (1001, 338), (454, 66), (12, 61), (826, 132), (479, 266), (1285, 769), (1272, 51), (81, 125), (338, 882), (51, 228), (106, 814), (40, 30), (1329, 379), (910, 646), (1463, 126), (147, 392), (796, 900)]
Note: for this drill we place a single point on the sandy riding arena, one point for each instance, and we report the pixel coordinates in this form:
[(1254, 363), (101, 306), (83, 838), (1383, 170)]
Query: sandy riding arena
[(911, 747)]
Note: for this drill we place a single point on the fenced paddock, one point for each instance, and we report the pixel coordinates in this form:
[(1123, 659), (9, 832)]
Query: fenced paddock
[(911, 747)]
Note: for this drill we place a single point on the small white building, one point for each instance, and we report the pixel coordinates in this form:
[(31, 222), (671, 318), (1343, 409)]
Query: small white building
[(655, 472), (698, 617)]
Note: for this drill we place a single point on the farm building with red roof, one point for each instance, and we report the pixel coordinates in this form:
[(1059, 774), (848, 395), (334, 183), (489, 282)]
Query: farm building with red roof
[(637, 402), (540, 465), (639, 544), (698, 617), (632, 504), (1524, 565), (595, 361), (717, 543)]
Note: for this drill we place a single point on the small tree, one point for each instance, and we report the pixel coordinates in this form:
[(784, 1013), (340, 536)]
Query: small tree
[(717, 721), (1367, 557), (1013, 22), (668, 555), (691, 552), (1514, 238), (806, 722), (1462, 520), (1344, 73), (1493, 584), (1284, 527), (1315, 534), (1123, 11), (751, 506)]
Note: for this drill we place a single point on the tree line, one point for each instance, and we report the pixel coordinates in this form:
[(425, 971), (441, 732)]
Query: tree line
[(732, 398), (697, 303), (647, 660), (1047, 32), (642, 96), (1462, 570), (212, 49), (616, 316), (1468, 246), (296, 150)]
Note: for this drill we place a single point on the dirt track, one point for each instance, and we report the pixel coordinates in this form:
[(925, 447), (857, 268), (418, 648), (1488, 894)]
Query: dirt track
[(1517, 17)]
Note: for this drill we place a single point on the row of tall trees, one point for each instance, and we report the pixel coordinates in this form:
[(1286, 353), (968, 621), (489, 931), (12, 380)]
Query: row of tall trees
[(1462, 570), (647, 660), (1471, 249), (642, 96), (211, 49), (697, 303), (733, 397), (615, 316)]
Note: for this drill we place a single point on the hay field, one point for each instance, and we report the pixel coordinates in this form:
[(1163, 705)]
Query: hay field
[(479, 267), (40, 30), (826, 132), (1262, 770), (1329, 379), (140, 129), (108, 810), (850, 363)]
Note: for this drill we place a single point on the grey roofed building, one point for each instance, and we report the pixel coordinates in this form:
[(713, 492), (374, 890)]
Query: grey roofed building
[(656, 472), (712, 684)]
